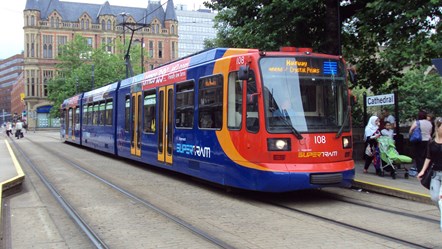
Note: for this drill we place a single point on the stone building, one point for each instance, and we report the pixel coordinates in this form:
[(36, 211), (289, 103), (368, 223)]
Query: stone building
[(10, 70), (50, 24)]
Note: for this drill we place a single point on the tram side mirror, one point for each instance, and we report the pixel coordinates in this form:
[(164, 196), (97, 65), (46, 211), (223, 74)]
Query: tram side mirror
[(243, 73)]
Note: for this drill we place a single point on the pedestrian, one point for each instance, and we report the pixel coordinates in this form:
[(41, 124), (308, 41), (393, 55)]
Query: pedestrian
[(8, 128), (387, 117), (388, 131), (18, 129), (434, 157), (371, 144), (420, 147)]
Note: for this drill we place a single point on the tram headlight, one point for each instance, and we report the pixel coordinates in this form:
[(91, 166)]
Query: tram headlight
[(279, 144), (346, 142)]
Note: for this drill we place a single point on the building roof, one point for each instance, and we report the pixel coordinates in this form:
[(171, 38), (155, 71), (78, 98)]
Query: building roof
[(71, 11)]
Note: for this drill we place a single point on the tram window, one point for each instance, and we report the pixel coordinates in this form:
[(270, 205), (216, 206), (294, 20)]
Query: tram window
[(102, 113), (70, 116), (62, 116), (127, 114), (185, 93), (89, 114), (84, 114), (252, 120), (95, 114), (234, 105), (77, 118), (149, 105), (109, 108), (210, 101)]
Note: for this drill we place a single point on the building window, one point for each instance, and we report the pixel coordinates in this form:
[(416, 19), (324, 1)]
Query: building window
[(89, 41), (109, 27), (32, 20), (57, 23), (160, 49), (103, 25), (150, 49), (32, 45), (47, 75), (172, 29), (173, 50), (61, 41), (47, 46), (52, 22)]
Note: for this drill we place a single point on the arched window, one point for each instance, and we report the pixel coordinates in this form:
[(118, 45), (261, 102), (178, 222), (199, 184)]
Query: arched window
[(45, 51), (52, 22), (32, 20), (27, 21), (172, 29), (57, 24), (87, 24), (82, 24), (50, 51), (109, 27), (103, 25)]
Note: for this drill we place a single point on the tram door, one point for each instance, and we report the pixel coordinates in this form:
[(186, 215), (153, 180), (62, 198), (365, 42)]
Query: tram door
[(136, 112), (70, 133), (68, 117), (165, 124)]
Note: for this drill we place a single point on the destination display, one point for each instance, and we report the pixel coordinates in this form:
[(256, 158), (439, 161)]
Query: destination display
[(302, 66)]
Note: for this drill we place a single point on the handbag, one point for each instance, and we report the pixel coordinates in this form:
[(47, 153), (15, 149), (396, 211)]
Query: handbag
[(368, 151), (416, 135), (426, 178)]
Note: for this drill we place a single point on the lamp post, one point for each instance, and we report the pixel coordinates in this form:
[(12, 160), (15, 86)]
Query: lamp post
[(124, 14)]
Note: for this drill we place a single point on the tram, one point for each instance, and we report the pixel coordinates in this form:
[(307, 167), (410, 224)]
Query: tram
[(243, 118)]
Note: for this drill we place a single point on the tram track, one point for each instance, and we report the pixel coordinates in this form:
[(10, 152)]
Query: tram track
[(91, 234), (287, 207), (350, 226)]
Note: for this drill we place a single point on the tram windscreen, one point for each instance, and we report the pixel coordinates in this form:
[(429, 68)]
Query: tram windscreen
[(307, 94)]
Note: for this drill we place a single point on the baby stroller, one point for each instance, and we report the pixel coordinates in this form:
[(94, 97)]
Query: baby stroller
[(390, 159)]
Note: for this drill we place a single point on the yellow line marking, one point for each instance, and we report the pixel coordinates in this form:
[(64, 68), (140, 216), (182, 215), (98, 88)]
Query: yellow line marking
[(20, 175), (392, 188)]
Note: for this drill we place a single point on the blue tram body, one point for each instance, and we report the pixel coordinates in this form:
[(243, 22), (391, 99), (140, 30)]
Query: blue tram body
[(272, 122), (98, 118), (71, 119)]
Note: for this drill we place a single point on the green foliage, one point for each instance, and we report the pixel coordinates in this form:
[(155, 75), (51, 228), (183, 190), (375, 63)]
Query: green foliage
[(74, 72), (418, 91), (267, 25)]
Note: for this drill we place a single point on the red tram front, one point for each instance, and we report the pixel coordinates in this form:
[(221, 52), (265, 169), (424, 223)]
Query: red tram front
[(297, 132)]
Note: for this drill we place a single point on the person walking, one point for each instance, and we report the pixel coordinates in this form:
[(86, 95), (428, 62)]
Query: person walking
[(18, 129), (434, 157), (420, 147), (8, 128), (371, 144)]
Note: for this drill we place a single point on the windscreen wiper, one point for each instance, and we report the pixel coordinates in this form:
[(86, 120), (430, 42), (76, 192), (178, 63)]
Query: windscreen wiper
[(343, 123), (294, 131)]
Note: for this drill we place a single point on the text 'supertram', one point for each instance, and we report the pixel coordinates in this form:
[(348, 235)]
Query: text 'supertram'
[(242, 118)]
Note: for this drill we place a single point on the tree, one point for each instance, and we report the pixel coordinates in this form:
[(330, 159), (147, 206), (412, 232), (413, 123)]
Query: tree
[(77, 62), (380, 37)]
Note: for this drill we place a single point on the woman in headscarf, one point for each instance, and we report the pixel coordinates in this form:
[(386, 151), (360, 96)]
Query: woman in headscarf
[(372, 150)]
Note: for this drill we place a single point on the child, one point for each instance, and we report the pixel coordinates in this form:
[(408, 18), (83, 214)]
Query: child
[(387, 131)]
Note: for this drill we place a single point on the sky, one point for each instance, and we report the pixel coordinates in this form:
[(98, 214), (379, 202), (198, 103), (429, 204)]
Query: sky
[(11, 20)]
